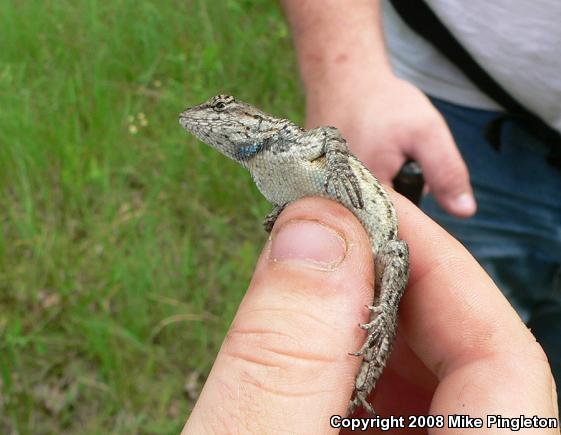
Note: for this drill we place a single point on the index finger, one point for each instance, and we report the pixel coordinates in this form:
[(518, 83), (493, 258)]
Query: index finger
[(464, 330)]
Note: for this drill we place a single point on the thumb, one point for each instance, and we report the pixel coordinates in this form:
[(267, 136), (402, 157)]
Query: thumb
[(284, 365), (445, 171)]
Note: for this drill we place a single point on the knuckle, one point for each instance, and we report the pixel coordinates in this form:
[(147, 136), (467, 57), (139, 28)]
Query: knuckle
[(274, 363), (267, 347)]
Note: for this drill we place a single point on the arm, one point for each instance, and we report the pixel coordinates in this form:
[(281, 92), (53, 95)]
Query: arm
[(349, 83), (337, 42)]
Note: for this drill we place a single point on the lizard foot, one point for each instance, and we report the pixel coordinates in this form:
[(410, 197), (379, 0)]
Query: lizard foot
[(370, 370), (374, 324), (359, 399), (341, 177), (374, 338), (382, 325), (374, 352)]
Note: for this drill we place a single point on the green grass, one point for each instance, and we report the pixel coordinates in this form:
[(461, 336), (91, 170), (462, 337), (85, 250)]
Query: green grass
[(123, 254)]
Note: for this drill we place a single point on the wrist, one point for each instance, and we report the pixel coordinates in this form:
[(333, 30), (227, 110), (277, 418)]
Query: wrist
[(339, 84), (341, 70)]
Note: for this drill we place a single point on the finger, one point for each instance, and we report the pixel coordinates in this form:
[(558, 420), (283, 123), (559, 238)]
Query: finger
[(444, 169), (284, 363), (464, 330)]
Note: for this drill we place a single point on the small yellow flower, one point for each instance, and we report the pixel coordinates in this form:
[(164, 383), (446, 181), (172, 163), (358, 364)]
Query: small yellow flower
[(133, 129), (157, 84), (143, 122)]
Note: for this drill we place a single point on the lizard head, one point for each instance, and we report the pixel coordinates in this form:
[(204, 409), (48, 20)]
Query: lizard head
[(234, 128)]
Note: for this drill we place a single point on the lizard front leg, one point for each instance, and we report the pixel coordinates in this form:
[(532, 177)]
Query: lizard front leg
[(392, 264), (271, 218), (339, 172), (340, 176)]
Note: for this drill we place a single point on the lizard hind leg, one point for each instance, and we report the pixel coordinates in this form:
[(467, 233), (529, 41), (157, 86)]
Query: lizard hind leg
[(393, 266), (370, 371)]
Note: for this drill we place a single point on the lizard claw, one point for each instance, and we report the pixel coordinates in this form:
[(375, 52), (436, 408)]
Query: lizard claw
[(377, 330), (364, 326), (374, 309)]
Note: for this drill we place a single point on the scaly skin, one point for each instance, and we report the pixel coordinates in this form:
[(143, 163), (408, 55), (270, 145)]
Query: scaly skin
[(287, 163)]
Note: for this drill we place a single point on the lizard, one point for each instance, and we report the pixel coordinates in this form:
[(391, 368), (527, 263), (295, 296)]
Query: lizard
[(286, 163)]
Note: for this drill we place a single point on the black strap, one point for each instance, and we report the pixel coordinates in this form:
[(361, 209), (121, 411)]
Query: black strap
[(419, 17)]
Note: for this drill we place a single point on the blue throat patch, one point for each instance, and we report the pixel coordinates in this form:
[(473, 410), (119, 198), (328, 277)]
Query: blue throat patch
[(248, 151)]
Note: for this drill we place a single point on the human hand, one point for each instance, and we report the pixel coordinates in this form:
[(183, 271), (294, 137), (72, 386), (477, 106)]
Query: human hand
[(387, 120), (284, 365)]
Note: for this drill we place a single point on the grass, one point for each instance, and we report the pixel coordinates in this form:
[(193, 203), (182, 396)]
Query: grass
[(125, 245)]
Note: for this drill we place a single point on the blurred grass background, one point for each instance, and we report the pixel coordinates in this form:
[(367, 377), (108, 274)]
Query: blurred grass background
[(125, 245)]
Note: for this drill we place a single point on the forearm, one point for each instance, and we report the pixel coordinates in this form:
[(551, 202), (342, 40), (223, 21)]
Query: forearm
[(385, 120), (337, 39)]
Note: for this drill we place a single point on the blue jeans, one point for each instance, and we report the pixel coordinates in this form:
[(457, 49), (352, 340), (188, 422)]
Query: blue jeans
[(516, 232)]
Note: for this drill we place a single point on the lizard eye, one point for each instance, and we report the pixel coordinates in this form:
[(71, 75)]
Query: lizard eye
[(221, 101)]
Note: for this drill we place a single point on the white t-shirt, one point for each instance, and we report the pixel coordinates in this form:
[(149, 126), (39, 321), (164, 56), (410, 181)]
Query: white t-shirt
[(518, 42)]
